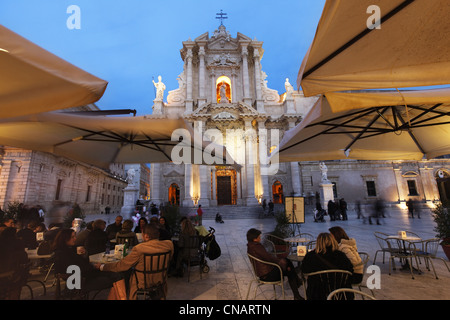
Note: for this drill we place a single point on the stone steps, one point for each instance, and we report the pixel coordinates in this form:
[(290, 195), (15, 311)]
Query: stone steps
[(230, 211)]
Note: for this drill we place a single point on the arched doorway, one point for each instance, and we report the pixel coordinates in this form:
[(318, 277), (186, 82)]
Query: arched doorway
[(277, 192), (443, 184), (226, 190), (174, 194), (226, 93)]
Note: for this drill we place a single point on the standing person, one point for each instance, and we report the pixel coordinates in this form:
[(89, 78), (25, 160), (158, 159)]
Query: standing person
[(326, 256), (264, 205), (343, 207), (267, 272), (200, 214), (271, 206), (135, 259), (410, 205), (113, 228), (348, 246), (331, 210), (378, 211)]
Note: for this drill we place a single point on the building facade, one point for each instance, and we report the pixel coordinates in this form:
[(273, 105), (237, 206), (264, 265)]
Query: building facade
[(224, 94), (56, 183)]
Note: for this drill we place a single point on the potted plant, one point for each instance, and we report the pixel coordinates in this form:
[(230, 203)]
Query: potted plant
[(441, 217)]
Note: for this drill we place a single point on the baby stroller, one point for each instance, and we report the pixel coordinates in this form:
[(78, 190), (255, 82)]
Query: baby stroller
[(209, 248), (319, 215)]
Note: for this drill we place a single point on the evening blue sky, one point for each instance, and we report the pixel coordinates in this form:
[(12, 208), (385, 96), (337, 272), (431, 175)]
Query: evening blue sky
[(127, 43)]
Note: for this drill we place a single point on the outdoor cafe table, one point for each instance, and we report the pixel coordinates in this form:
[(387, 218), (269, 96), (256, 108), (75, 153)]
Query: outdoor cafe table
[(403, 240), (103, 257), (32, 255)]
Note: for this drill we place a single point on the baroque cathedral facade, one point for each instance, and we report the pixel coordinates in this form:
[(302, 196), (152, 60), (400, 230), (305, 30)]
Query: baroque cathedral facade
[(223, 88)]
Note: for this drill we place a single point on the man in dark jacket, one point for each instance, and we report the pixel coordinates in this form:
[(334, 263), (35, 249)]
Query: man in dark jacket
[(267, 272)]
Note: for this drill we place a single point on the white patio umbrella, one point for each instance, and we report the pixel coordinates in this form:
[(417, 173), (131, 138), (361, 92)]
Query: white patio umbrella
[(385, 125), (100, 140), (411, 48), (33, 80)]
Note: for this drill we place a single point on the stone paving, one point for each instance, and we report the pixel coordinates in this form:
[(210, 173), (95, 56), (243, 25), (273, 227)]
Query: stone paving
[(230, 274)]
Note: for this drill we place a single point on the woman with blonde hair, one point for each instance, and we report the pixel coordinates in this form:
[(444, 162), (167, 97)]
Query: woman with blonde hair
[(325, 256)]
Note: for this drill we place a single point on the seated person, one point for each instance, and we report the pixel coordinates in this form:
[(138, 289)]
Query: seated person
[(267, 272), (348, 246), (325, 256), (126, 232), (97, 239), (184, 252), (135, 259), (28, 236), (83, 234), (66, 255), (13, 259), (115, 227)]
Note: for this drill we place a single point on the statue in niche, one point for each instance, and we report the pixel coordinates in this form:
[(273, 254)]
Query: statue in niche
[(223, 94), (160, 87)]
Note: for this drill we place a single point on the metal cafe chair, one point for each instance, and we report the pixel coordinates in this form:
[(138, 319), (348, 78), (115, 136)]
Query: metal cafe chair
[(156, 269), (341, 294), (428, 252), (364, 260), (259, 282), (328, 280), (384, 245)]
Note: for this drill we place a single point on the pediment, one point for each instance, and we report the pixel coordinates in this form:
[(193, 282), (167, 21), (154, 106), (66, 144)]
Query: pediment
[(222, 43), (203, 37)]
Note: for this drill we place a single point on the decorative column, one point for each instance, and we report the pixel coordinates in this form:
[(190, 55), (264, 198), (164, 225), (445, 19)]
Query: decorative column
[(263, 159), (187, 201), (295, 171), (214, 186), (250, 157), (247, 98), (212, 74), (155, 183), (201, 76), (189, 55), (259, 100)]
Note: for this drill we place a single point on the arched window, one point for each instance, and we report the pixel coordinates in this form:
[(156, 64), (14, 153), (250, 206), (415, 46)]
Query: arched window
[(226, 83), (174, 194)]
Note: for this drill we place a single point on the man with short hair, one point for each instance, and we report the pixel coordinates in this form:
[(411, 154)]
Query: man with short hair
[(113, 228), (135, 259)]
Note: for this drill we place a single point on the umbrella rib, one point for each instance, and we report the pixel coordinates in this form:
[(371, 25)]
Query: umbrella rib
[(358, 37), (413, 137), (333, 126), (158, 148), (375, 118)]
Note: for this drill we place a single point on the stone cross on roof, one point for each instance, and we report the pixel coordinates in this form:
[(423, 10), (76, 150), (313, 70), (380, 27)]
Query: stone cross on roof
[(222, 16)]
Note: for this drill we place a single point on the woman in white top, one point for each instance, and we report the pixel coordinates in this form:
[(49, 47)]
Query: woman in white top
[(348, 246)]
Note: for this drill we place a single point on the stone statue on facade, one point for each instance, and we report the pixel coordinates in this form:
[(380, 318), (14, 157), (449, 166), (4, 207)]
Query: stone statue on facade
[(131, 173), (160, 87), (324, 170), (289, 87)]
